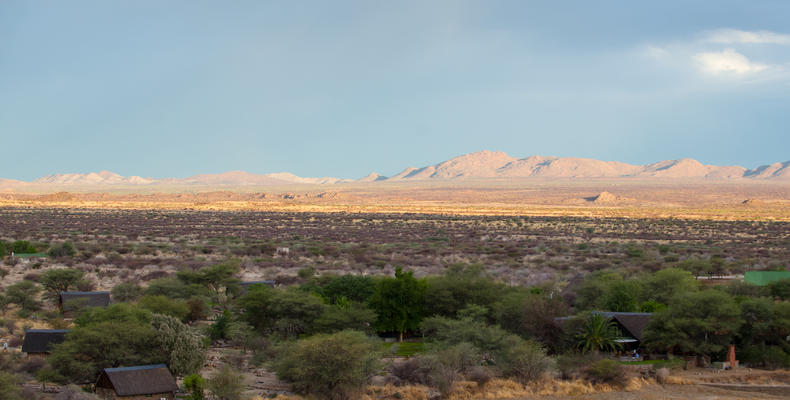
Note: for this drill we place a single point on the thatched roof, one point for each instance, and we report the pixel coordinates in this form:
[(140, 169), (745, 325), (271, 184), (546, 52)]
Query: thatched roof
[(75, 300), (41, 340), (634, 322), (140, 380)]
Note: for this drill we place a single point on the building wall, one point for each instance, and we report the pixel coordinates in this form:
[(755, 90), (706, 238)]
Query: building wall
[(109, 394)]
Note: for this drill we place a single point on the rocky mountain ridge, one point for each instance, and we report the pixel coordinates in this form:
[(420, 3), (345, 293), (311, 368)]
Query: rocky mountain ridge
[(483, 164)]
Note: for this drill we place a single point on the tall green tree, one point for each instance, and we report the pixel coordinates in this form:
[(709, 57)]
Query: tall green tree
[(399, 302), (667, 284), (460, 286), (701, 323), (59, 280), (24, 294)]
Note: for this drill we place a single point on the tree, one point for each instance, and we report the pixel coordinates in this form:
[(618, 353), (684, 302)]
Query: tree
[(126, 292), (695, 323), (164, 305), (763, 335), (623, 296), (336, 318), (65, 249), (23, 247), (591, 294), (399, 302), (175, 289), (460, 286), (780, 289), (45, 375), (352, 287), (216, 278), (107, 344), (332, 366), (294, 312), (531, 315), (183, 346), (489, 339), (23, 294), (226, 384), (254, 307), (59, 280), (107, 337), (598, 334), (668, 283), (287, 312)]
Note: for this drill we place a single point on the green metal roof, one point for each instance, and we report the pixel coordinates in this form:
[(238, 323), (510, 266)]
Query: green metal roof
[(762, 278)]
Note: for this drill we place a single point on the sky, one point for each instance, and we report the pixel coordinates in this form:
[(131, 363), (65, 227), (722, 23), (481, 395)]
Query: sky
[(345, 88)]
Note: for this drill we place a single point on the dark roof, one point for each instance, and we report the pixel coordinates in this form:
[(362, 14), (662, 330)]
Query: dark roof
[(41, 340), (250, 283), (140, 380), (246, 285), (91, 299), (634, 322)]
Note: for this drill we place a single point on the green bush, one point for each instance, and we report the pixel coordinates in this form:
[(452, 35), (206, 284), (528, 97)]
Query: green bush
[(333, 366), (526, 361), (65, 249), (226, 384), (166, 306), (9, 386), (126, 292), (606, 371), (195, 385)]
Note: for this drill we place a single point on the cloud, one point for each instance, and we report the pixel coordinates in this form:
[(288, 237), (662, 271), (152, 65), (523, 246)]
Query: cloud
[(736, 36), (656, 52), (727, 61)]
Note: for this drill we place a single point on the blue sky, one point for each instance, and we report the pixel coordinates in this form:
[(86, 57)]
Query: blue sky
[(343, 88)]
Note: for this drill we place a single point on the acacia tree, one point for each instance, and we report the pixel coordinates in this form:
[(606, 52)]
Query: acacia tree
[(59, 280), (695, 323), (399, 302), (24, 295)]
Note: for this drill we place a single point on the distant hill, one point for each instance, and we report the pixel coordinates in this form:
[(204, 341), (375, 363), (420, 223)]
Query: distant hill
[(480, 165), (488, 164)]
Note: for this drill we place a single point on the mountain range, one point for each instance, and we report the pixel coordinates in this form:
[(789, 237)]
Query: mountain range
[(483, 164)]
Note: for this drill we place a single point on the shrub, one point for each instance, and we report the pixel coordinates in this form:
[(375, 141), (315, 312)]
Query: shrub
[(126, 292), (195, 385), (65, 249), (9, 386), (73, 392), (413, 371), (573, 365), (31, 366), (164, 305), (329, 366), (606, 371), (525, 361), (479, 375), (226, 384)]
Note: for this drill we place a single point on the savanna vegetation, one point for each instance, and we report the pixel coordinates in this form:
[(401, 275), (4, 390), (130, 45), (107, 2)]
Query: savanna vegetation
[(390, 299)]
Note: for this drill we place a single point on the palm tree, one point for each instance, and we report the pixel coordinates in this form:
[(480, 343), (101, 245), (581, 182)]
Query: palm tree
[(599, 334)]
